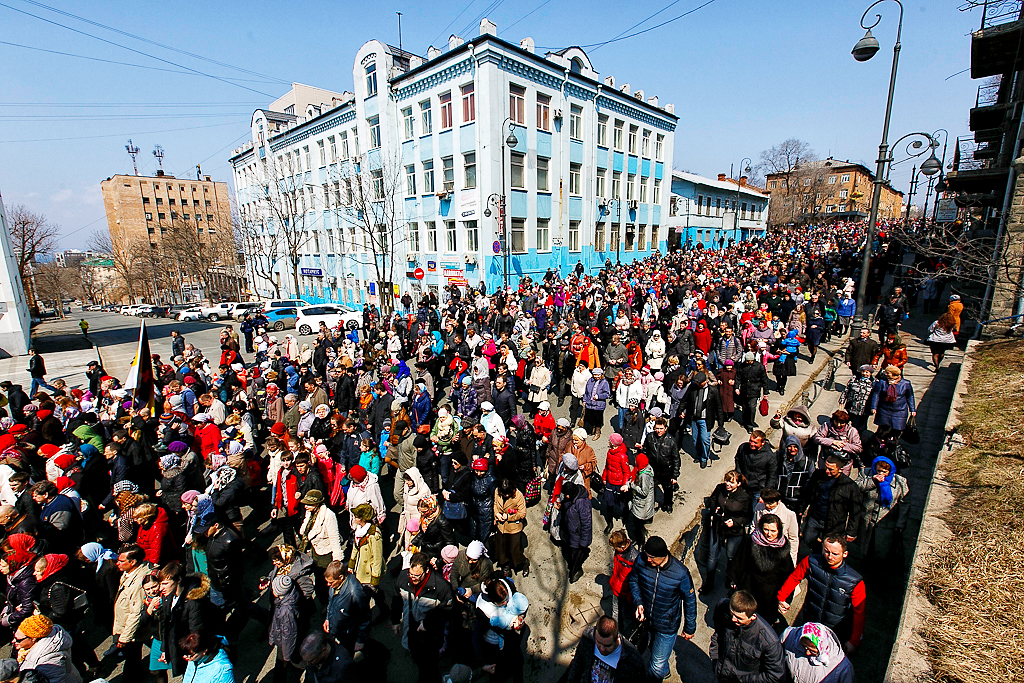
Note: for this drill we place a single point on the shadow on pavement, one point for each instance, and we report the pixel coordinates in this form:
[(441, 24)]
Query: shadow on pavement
[(692, 663)]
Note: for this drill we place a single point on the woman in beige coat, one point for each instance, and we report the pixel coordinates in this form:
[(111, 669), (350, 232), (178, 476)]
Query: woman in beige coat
[(509, 513)]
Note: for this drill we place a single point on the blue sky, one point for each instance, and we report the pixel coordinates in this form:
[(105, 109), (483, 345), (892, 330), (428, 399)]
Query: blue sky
[(743, 74)]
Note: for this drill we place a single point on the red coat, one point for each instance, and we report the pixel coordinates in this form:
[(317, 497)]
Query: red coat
[(621, 567), (208, 439), (156, 540), (544, 424), (616, 467), (286, 488)]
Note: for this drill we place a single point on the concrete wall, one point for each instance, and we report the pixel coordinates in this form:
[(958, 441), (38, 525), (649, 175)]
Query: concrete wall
[(15, 322)]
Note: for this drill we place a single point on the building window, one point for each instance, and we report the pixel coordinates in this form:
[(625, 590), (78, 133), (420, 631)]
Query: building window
[(171, 201), (517, 104), (641, 238), (659, 149), (184, 216), (431, 236), (598, 237), (654, 238), (575, 185), (543, 234), (472, 236), (602, 131), (468, 103), (469, 164), (543, 112), (446, 110), (831, 180), (830, 208), (630, 186), (576, 122), (614, 237), (773, 184), (843, 194), (846, 178), (743, 210), (407, 120), (542, 174), (305, 153), (333, 147), (617, 135), (374, 124), (630, 237), (643, 190), (718, 206), (842, 207), (601, 173), (632, 138), (145, 200), (451, 238), (574, 235), (518, 171), (160, 216), (323, 153), (428, 176), (371, 79), (448, 173), (518, 235), (657, 190), (426, 122), (645, 146), (149, 216), (410, 179), (344, 145), (616, 184)]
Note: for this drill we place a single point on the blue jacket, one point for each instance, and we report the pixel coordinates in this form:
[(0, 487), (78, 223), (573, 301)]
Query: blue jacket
[(348, 612), (420, 409), (847, 308), (216, 670), (600, 389), (577, 522), (662, 591)]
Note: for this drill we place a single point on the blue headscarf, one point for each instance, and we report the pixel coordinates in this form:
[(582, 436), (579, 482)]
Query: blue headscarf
[(94, 552), (884, 486), (403, 371)]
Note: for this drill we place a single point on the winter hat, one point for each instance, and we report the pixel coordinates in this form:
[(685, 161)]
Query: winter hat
[(278, 429), (281, 585), (64, 460), (189, 496), (364, 512), (615, 439), (177, 447), (43, 414), (748, 357), (449, 553), (700, 378), (413, 525), (357, 473), (580, 433), (570, 462), (36, 626), (656, 412), (169, 462), (460, 673), (562, 422), (634, 403), (659, 376), (475, 550), (62, 483), (48, 450), (543, 405), (480, 465)]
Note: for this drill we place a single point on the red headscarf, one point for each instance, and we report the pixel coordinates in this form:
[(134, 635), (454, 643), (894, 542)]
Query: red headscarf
[(54, 563), (22, 546)]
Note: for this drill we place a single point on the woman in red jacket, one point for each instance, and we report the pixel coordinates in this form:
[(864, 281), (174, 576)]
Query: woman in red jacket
[(154, 536), (617, 472)]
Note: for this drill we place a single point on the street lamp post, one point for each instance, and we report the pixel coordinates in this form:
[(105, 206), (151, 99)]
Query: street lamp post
[(744, 169), (864, 50), (499, 200), (910, 194)]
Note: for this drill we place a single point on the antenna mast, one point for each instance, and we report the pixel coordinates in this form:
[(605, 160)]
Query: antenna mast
[(133, 151), (399, 31), (158, 152)]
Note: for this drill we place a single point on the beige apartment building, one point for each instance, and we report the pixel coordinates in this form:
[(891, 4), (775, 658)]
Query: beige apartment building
[(829, 189), (172, 238)]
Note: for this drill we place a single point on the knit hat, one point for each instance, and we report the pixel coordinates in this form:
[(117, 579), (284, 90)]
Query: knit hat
[(475, 550), (570, 462), (278, 429), (43, 414), (580, 433), (36, 626), (189, 496), (281, 585), (634, 403), (597, 371), (357, 473), (700, 378), (543, 405), (177, 447), (656, 547), (486, 406), (449, 553), (562, 422), (413, 525), (460, 673), (480, 465), (615, 439), (656, 412), (749, 357)]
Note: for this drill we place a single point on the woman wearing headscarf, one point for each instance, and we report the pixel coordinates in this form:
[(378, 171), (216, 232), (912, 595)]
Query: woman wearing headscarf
[(103, 584), (509, 513), (813, 654), (762, 564), (892, 401), (200, 510), (655, 350), (173, 483), (586, 459), (702, 338), (435, 532), (18, 565), (126, 498), (445, 434), (595, 399), (413, 491), (881, 491)]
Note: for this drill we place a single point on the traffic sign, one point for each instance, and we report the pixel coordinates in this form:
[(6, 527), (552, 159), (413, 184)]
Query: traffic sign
[(496, 246), (418, 273)]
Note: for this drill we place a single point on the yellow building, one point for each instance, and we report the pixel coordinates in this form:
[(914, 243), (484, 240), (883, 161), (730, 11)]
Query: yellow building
[(828, 190)]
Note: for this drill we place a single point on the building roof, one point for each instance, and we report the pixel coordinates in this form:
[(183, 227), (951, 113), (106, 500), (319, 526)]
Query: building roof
[(728, 185)]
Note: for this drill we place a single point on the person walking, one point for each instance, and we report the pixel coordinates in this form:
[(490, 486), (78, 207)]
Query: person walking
[(942, 337), (883, 490), (751, 385), (862, 350), (662, 591), (830, 504), (663, 455), (594, 402), (762, 564), (84, 324), (617, 473), (37, 369), (892, 402), (641, 502), (602, 654), (577, 528), (731, 509), (703, 410), (744, 647), (756, 461), (426, 600)]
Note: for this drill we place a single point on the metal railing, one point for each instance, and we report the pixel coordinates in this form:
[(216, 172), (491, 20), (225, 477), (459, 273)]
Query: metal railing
[(988, 93), (963, 158), (994, 12)]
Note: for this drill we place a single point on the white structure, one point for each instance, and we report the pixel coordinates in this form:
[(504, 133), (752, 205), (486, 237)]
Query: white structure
[(15, 320), (714, 213), (584, 179)]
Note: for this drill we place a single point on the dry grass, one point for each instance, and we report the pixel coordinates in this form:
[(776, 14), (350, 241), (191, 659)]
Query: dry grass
[(976, 581)]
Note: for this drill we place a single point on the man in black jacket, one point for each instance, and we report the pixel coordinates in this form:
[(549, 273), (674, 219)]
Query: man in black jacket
[(348, 610), (603, 638), (504, 401), (37, 368), (751, 384), (756, 461), (663, 454), (744, 647), (830, 504), (861, 350), (227, 572), (702, 411), (421, 609), (17, 399)]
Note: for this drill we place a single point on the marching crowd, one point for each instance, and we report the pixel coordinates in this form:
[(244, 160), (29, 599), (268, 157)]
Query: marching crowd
[(393, 465)]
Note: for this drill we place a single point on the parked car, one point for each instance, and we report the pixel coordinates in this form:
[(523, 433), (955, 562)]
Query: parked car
[(239, 311), (308, 319), (217, 311), (153, 311), (194, 313), (280, 319), (131, 309), (175, 309), (94, 307), (284, 303)]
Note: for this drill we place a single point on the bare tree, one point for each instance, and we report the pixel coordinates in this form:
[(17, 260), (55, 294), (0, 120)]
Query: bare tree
[(32, 235), (53, 283), (794, 197), (131, 258)]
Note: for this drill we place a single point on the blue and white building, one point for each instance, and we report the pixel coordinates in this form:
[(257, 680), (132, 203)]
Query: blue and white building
[(586, 178), (714, 213)]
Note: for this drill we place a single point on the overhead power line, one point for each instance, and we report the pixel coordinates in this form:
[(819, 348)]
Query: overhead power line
[(527, 16), (134, 133), (594, 46), (131, 49)]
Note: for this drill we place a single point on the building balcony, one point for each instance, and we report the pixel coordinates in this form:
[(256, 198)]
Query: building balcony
[(994, 50)]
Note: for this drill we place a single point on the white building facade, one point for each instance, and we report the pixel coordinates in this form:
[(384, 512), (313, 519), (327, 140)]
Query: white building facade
[(586, 178), (15, 318)]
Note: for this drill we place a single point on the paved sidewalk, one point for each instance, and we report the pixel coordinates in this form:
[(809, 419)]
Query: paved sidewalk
[(66, 365)]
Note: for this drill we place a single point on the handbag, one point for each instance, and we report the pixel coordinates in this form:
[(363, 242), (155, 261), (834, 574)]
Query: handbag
[(532, 492), (910, 434), (596, 483), (454, 510), (762, 407), (641, 637)]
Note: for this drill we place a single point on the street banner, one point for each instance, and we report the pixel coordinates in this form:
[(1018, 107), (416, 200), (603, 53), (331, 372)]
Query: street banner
[(946, 212)]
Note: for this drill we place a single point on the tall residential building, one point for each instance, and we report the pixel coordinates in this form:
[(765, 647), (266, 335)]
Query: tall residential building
[(481, 163), (15, 319), (179, 229), (828, 189), (714, 213)]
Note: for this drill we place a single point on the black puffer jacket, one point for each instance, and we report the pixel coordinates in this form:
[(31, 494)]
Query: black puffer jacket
[(761, 571), (224, 560), (737, 506), (752, 380), (760, 467), (435, 537), (845, 508), (751, 653)]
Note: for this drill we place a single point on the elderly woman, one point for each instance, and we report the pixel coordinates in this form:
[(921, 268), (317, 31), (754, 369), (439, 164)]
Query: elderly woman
[(509, 513), (595, 399), (762, 564), (18, 566), (655, 350), (892, 401), (882, 490)]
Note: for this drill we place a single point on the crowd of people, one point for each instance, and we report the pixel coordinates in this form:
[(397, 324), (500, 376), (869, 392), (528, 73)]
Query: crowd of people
[(393, 466)]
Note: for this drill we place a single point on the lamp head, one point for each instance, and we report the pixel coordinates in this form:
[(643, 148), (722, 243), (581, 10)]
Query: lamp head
[(865, 48), (487, 213), (931, 165), (511, 140), (747, 169)]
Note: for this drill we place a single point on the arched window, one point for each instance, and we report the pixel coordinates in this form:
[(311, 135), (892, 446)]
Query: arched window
[(576, 65)]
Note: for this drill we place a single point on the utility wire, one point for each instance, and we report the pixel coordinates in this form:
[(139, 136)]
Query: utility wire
[(594, 46), (476, 22), (115, 117), (643, 21), (131, 49), (108, 105), (452, 22), (118, 135), (153, 42), (528, 15)]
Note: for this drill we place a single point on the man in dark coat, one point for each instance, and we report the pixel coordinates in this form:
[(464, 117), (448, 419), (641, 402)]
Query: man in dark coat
[(604, 637), (832, 502), (504, 401), (861, 350), (348, 609), (756, 460), (17, 399), (702, 410), (744, 647), (751, 385), (663, 454)]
